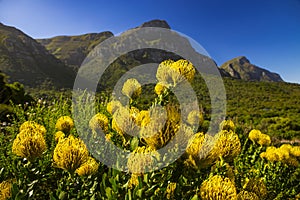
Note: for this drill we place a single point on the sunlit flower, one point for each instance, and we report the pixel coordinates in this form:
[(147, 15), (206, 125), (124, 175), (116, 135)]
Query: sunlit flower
[(264, 140), (295, 151), (217, 187), (88, 168), (133, 181), (257, 186), (143, 118), (132, 88), (113, 106), (5, 190), (227, 125), (142, 159), (59, 135), (64, 124), (33, 126), (159, 88), (172, 73), (99, 122), (195, 145), (29, 144), (254, 135), (195, 118), (123, 122), (245, 195), (70, 153), (227, 145)]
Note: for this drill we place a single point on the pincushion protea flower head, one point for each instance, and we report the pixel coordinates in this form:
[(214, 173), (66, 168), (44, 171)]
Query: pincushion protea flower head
[(33, 126), (64, 124), (5, 189), (113, 106), (99, 122), (29, 144), (88, 168), (70, 153), (132, 88), (217, 187)]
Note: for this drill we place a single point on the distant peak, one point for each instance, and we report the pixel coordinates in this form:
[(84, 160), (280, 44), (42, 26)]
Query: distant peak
[(156, 23)]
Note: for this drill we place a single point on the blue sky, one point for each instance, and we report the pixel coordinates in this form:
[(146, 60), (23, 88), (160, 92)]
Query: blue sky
[(267, 32)]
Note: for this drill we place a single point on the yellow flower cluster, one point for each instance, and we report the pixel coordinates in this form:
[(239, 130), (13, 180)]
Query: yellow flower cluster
[(64, 124), (70, 153), (99, 122), (204, 150), (89, 167), (5, 190), (33, 126), (159, 88), (256, 186), (195, 118), (132, 88), (170, 73), (227, 125), (123, 121), (286, 153), (58, 136), (217, 187), (260, 138), (113, 106), (30, 142), (142, 159)]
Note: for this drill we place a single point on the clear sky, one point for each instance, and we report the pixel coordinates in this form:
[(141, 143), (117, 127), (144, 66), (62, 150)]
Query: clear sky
[(267, 32)]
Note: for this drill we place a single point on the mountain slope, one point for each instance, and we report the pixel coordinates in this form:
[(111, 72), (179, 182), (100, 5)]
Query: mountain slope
[(25, 60), (241, 68), (72, 50)]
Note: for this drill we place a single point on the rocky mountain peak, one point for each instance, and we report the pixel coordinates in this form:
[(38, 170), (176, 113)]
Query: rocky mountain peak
[(156, 23)]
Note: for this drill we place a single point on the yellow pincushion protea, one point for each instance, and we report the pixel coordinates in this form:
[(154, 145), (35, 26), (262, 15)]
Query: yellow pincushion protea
[(195, 145), (256, 186), (227, 145), (70, 153), (133, 181), (64, 124), (99, 122), (217, 187), (254, 135), (227, 125), (5, 190), (88, 168), (185, 68), (113, 106), (172, 73), (123, 122), (295, 151), (283, 154), (132, 88), (245, 195), (58, 136), (264, 140), (159, 88), (142, 159), (33, 126), (195, 118), (143, 118), (29, 144)]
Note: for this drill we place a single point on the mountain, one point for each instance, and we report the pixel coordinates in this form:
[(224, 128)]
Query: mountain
[(72, 50), (25, 60), (241, 68)]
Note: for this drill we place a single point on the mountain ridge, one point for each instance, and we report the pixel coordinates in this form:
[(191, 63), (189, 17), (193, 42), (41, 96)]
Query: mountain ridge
[(56, 60)]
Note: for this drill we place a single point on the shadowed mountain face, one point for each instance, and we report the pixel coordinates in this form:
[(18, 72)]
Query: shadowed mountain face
[(24, 59), (241, 68)]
